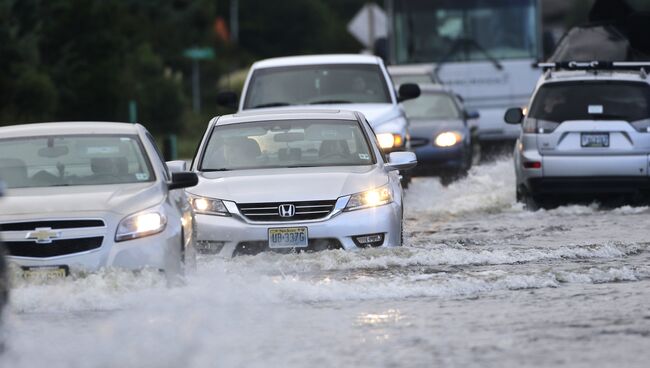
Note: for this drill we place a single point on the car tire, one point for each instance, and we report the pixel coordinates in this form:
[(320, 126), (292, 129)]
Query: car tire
[(531, 203), (476, 152)]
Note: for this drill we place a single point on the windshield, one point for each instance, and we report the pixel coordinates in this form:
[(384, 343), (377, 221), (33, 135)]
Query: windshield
[(282, 144), (317, 84), (435, 106), (592, 101), (72, 160), (464, 30)]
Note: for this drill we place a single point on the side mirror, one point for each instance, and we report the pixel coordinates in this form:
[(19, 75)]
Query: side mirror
[(402, 160), (514, 115), (182, 180), (177, 166), (408, 91), (472, 114), (227, 99)]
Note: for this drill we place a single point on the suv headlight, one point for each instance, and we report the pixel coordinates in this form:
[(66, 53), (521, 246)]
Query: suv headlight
[(370, 198), (208, 206), (390, 140), (141, 224), (448, 139)]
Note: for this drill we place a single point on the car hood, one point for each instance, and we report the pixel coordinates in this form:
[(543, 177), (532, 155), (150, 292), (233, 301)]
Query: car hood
[(295, 184), (425, 128), (122, 199)]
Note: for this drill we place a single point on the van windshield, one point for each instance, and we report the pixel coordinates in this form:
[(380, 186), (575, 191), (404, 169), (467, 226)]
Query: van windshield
[(434, 106), (592, 100), (64, 160), (317, 84), (285, 144)]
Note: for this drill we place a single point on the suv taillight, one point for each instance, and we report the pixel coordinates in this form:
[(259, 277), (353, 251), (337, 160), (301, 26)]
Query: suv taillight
[(534, 126)]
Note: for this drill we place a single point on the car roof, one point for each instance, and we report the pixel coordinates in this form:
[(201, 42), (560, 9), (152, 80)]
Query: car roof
[(591, 75), (68, 128), (410, 69), (259, 115), (317, 60)]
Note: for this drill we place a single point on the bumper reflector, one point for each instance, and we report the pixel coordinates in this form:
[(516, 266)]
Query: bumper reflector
[(209, 246)]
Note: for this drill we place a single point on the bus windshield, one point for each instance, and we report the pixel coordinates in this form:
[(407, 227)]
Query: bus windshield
[(464, 30)]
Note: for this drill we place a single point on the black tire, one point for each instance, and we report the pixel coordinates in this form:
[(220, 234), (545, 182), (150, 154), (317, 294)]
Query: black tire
[(476, 152)]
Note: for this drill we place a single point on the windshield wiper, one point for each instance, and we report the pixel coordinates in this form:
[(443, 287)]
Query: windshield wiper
[(330, 102), (465, 43), (212, 170), (272, 104)]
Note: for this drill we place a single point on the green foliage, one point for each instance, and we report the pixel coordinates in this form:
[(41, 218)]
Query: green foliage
[(87, 59)]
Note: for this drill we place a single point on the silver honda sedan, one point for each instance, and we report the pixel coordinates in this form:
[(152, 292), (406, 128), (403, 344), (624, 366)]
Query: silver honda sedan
[(85, 195), (288, 180)]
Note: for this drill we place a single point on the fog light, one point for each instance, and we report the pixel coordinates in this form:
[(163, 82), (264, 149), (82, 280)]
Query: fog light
[(372, 240), (209, 246)]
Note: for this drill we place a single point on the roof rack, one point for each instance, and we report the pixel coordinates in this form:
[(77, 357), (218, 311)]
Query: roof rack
[(596, 65)]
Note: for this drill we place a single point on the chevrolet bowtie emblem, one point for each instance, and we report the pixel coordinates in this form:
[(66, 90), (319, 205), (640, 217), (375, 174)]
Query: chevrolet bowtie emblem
[(43, 235)]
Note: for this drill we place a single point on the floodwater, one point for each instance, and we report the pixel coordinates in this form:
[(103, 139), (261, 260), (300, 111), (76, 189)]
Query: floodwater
[(480, 282)]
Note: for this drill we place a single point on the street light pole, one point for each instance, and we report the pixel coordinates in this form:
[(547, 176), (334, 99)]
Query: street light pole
[(196, 86)]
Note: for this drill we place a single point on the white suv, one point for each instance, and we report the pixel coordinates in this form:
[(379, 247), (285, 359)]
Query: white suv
[(586, 133), (350, 82)]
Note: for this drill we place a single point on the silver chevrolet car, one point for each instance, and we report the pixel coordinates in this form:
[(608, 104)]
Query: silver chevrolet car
[(586, 133), (82, 196), (288, 180)]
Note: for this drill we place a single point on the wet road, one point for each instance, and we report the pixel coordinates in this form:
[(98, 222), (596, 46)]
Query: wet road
[(479, 283)]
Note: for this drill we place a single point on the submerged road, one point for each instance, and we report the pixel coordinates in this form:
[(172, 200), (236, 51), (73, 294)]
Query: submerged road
[(480, 282)]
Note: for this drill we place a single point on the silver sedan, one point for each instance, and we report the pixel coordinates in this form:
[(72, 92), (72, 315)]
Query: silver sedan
[(85, 196), (292, 180)]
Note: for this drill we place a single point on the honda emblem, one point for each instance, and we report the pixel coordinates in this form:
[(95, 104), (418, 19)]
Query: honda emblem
[(287, 210)]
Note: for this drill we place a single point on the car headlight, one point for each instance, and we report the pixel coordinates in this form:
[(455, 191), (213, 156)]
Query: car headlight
[(141, 224), (370, 198), (448, 139), (208, 206), (390, 140)]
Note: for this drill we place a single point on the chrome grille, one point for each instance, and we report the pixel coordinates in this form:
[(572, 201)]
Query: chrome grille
[(307, 210), (52, 237), (56, 248)]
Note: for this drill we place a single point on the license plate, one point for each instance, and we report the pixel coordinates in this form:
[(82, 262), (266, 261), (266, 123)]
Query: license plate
[(288, 237), (594, 140), (44, 273)]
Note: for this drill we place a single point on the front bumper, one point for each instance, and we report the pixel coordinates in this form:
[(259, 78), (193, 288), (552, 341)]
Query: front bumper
[(160, 251), (440, 158), (233, 232)]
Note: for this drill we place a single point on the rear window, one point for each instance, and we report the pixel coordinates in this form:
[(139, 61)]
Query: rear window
[(558, 102)]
